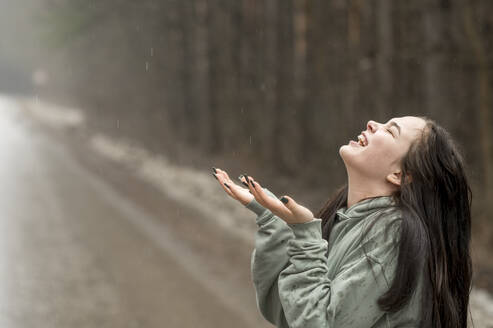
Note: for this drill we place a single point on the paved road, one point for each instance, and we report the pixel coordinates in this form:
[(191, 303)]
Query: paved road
[(76, 252)]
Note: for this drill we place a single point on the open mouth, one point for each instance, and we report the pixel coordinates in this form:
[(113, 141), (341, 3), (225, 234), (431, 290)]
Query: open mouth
[(362, 141)]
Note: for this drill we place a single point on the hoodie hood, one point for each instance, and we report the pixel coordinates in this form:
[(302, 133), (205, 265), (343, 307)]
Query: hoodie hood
[(365, 207)]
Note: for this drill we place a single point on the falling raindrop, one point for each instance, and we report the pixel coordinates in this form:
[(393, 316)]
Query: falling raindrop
[(117, 124), (147, 66), (152, 52), (250, 140)]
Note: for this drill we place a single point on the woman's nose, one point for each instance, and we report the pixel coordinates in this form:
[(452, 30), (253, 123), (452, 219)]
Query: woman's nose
[(371, 125)]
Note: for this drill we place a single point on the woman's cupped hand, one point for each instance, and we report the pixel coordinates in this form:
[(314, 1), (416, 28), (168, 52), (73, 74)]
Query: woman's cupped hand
[(286, 208)]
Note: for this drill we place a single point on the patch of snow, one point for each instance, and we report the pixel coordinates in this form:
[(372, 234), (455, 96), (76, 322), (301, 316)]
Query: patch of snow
[(195, 189), (55, 116)]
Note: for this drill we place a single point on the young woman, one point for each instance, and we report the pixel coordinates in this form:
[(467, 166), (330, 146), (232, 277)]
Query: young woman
[(389, 249)]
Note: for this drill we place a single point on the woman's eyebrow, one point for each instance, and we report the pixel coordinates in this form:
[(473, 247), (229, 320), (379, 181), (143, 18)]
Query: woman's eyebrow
[(396, 125)]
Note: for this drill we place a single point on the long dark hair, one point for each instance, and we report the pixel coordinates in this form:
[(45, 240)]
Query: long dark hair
[(435, 229)]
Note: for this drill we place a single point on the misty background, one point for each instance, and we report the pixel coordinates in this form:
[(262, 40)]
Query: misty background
[(267, 88)]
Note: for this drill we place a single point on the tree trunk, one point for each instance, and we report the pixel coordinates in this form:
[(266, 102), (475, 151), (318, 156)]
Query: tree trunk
[(484, 100)]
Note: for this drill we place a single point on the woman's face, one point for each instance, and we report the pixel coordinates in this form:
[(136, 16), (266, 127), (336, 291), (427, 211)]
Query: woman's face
[(385, 146)]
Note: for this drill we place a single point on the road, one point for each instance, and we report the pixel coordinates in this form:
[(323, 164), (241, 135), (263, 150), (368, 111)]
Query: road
[(83, 244)]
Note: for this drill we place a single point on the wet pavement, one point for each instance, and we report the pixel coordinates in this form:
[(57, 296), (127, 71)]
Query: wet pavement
[(83, 244)]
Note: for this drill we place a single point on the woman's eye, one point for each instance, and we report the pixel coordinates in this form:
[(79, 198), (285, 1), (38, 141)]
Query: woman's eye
[(390, 132)]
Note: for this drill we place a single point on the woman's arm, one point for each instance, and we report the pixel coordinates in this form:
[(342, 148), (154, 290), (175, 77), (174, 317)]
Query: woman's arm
[(310, 299), (269, 256), (268, 259)]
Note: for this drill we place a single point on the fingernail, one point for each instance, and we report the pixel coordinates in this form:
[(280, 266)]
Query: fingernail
[(214, 169), (227, 186), (284, 200), (240, 176), (244, 183), (215, 176)]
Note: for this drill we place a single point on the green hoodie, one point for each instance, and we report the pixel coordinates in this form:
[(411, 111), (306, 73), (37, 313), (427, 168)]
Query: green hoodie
[(301, 280)]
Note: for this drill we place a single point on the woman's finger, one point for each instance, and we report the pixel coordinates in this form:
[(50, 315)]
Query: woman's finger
[(262, 195), (271, 203), (228, 189), (275, 205), (253, 190), (244, 181), (243, 195), (224, 174), (224, 183), (300, 213), (225, 177), (219, 172)]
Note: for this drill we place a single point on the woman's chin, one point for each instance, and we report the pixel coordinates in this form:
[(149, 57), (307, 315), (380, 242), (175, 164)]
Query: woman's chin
[(345, 151), (351, 152)]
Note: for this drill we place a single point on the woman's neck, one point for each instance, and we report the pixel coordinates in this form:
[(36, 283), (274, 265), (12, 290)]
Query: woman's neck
[(360, 188)]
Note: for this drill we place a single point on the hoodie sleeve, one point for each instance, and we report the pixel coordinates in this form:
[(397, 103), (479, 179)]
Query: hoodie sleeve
[(311, 300), (268, 259)]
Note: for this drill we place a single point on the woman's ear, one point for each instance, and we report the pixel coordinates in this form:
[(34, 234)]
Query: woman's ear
[(395, 178)]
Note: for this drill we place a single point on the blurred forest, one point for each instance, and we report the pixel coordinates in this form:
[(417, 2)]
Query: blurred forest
[(285, 81)]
